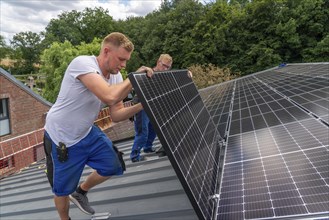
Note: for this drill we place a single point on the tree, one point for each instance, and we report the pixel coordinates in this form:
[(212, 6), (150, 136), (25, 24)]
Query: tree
[(312, 18), (54, 62), (56, 59), (134, 27), (244, 36), (153, 36), (182, 19), (218, 35), (320, 53), (27, 51), (76, 27), (168, 30), (4, 48)]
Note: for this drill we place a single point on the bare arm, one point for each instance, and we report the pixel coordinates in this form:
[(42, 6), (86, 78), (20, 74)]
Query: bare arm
[(119, 113), (109, 94)]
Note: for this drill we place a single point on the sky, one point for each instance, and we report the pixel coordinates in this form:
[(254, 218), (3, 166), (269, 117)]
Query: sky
[(34, 15)]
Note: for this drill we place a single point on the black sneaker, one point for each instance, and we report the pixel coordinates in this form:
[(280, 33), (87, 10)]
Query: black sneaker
[(137, 159), (149, 150), (81, 201)]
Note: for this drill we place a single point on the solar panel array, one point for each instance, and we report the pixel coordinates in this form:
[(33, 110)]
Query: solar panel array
[(275, 124), (276, 161), (187, 133)]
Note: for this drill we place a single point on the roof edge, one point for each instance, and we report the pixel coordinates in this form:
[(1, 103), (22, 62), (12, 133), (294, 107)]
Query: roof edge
[(11, 78)]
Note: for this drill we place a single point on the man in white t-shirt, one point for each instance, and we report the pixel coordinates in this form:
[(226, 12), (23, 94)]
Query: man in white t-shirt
[(71, 140)]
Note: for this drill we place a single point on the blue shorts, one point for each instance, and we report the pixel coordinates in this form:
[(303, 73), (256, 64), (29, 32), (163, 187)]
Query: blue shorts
[(95, 150)]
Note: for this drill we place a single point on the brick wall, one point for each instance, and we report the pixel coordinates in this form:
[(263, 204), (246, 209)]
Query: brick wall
[(121, 130), (21, 151), (26, 112)]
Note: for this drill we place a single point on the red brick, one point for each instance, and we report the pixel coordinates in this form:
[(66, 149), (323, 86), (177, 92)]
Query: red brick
[(7, 149), (15, 145), (24, 142), (32, 139)]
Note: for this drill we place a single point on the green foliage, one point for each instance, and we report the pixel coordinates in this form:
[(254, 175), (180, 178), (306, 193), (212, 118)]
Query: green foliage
[(320, 53), (124, 73), (4, 48), (249, 36), (77, 27), (56, 59), (166, 30), (133, 28), (92, 48), (153, 35), (179, 28), (54, 63), (27, 49)]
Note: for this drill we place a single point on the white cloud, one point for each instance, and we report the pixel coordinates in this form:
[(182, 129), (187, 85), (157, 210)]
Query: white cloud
[(34, 15)]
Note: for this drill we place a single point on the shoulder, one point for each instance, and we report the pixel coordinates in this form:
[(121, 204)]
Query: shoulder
[(82, 65), (84, 62), (83, 59)]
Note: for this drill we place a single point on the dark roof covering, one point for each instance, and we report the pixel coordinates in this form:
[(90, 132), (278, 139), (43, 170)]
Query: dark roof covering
[(23, 87)]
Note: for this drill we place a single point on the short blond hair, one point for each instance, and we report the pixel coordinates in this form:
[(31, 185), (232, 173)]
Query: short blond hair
[(165, 57), (118, 39)]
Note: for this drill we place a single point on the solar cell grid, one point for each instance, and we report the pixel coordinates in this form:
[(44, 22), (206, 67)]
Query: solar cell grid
[(270, 109), (218, 106), (285, 179), (284, 175), (305, 95)]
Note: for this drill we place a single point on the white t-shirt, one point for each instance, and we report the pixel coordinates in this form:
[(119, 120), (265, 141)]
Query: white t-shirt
[(71, 117)]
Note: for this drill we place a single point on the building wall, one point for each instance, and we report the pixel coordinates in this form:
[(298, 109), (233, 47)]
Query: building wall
[(26, 112)]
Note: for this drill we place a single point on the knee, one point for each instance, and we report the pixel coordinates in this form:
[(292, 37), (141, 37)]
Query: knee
[(113, 169)]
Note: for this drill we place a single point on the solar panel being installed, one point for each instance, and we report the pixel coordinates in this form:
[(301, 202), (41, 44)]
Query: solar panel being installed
[(275, 124), (186, 131)]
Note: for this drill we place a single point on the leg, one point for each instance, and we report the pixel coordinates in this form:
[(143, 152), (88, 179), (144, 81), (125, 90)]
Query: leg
[(92, 180), (79, 197), (66, 176), (150, 139), (103, 159), (141, 130), (62, 204)]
